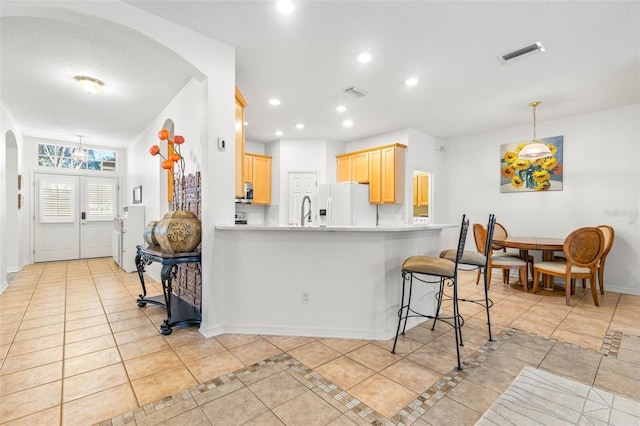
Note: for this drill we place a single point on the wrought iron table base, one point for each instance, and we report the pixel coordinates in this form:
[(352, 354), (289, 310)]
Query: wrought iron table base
[(179, 312)]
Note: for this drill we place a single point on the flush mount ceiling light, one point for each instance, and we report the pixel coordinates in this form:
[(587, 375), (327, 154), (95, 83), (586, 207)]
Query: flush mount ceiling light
[(364, 57), (278, 132), (537, 47), (284, 6), (347, 123), (536, 149), (79, 154), (274, 101), (89, 84)]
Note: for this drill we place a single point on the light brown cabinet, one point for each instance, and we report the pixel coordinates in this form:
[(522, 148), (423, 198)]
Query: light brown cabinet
[(382, 168), (241, 103), (421, 190), (258, 172), (353, 167)]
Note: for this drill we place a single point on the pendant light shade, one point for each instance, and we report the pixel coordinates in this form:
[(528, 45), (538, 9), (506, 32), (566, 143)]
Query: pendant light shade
[(536, 149), (79, 154)]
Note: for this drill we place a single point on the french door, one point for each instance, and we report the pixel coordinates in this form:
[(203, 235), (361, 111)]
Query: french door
[(73, 216)]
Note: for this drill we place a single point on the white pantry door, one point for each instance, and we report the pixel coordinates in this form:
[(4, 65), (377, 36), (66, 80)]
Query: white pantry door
[(73, 216), (301, 184)]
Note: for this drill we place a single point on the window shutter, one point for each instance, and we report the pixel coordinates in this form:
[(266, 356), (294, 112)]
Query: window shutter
[(100, 200), (56, 202)]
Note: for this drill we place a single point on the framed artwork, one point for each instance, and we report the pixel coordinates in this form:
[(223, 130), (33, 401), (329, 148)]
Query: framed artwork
[(544, 174), (137, 195), (19, 201), (19, 182)]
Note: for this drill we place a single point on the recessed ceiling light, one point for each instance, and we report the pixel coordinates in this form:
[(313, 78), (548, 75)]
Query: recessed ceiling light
[(341, 108), (278, 132), (364, 57), (347, 123), (89, 84), (274, 102), (412, 81), (284, 6), (299, 126)]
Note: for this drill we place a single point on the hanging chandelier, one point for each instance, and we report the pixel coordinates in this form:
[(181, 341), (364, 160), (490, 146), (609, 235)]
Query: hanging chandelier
[(536, 149), (79, 154)]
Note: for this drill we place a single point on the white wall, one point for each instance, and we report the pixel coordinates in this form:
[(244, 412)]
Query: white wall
[(601, 185)]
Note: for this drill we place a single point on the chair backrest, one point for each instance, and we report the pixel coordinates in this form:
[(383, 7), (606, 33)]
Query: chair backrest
[(480, 237), (608, 238), (499, 233), (483, 237), (584, 246), (464, 228)]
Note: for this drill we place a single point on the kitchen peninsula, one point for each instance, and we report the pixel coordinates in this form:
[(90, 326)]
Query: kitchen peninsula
[(323, 282)]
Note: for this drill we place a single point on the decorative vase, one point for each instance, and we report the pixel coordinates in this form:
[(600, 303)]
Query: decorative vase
[(148, 235), (178, 232)]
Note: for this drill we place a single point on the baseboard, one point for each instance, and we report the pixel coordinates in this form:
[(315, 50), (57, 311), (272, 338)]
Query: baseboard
[(296, 331)]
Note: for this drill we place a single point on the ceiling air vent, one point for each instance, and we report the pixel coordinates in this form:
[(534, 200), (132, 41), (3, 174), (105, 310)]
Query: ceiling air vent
[(358, 93), (534, 48)]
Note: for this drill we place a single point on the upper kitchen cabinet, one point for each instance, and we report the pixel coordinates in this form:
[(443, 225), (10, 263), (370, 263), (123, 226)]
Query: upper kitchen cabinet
[(241, 103), (381, 167), (421, 190), (258, 173), (386, 174), (353, 166)]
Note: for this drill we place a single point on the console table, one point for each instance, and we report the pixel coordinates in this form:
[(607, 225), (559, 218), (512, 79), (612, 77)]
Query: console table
[(179, 312)]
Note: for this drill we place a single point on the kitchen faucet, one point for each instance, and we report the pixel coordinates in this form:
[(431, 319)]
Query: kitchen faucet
[(302, 215)]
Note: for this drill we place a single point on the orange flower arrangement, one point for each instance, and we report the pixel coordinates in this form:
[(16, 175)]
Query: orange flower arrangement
[(175, 162)]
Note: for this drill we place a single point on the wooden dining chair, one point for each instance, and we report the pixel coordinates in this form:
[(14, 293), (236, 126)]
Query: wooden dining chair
[(582, 250), (608, 243), (497, 261), (501, 233)]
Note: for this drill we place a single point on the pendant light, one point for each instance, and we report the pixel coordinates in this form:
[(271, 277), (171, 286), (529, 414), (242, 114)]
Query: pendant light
[(536, 149), (79, 154)]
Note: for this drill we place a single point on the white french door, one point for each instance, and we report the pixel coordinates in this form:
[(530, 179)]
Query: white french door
[(73, 216), (301, 184)]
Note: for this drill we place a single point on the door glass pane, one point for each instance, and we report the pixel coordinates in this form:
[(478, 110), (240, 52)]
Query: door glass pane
[(101, 200), (56, 202)]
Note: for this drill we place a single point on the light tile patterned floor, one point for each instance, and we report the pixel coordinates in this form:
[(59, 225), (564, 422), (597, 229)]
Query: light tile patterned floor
[(76, 349)]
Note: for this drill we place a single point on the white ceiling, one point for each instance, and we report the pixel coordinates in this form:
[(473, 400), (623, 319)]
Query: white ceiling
[(307, 59)]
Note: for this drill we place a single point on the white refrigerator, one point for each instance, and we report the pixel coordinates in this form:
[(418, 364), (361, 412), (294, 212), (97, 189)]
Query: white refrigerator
[(347, 204)]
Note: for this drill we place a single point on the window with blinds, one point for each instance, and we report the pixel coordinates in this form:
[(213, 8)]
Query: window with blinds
[(57, 202), (101, 200)]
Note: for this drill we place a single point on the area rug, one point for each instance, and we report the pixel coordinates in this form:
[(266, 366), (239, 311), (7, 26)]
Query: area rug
[(537, 397)]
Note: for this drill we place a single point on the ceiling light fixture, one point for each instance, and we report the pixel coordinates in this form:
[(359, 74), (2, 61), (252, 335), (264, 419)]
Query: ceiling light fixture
[(79, 154), (347, 123), (89, 84), (364, 57), (299, 126), (341, 108), (274, 101), (537, 47), (412, 81), (285, 6), (536, 149), (278, 132)]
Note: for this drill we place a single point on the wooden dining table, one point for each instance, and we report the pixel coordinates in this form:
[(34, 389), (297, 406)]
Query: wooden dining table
[(547, 245)]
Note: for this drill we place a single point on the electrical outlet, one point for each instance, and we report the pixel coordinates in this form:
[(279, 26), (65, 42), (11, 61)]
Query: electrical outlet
[(305, 297)]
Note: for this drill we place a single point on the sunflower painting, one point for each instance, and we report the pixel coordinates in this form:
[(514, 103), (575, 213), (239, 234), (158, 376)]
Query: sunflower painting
[(544, 174)]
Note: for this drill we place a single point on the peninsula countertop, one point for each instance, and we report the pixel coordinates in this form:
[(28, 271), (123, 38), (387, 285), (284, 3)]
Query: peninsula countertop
[(390, 228)]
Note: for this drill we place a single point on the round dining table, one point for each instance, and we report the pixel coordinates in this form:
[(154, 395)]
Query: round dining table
[(547, 245)]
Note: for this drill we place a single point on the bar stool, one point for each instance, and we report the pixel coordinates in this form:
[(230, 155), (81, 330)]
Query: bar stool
[(478, 260), (443, 272)]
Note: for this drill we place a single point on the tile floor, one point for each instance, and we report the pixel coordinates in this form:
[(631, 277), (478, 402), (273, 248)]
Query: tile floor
[(76, 350)]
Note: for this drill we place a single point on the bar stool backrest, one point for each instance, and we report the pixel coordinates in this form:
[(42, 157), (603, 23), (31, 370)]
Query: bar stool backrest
[(464, 228)]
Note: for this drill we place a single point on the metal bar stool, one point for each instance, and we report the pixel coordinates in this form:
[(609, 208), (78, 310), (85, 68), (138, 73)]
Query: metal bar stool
[(478, 261), (445, 273)]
